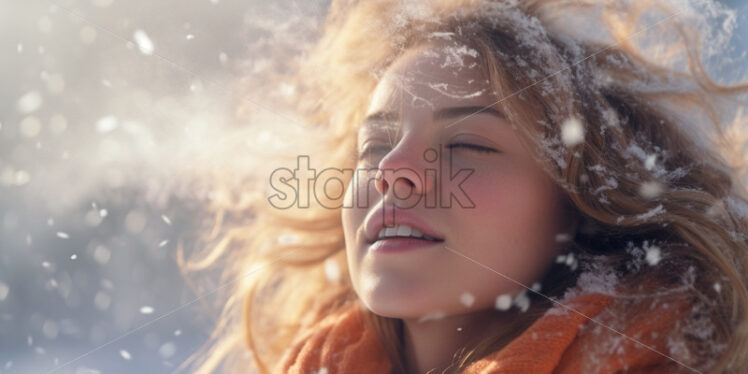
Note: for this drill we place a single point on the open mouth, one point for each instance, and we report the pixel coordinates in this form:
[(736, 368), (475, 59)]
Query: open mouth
[(404, 232)]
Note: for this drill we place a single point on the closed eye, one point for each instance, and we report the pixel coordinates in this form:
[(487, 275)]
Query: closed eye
[(473, 147)]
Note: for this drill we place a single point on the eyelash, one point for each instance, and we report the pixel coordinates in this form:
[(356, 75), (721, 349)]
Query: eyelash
[(474, 147)]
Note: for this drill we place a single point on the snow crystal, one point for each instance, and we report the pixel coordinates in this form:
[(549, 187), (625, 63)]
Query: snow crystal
[(146, 309), (29, 102), (63, 235), (650, 189), (125, 354), (102, 254), (522, 301), (563, 237), (166, 219), (4, 290), (569, 259), (572, 132), (653, 255), (106, 124), (223, 58), (102, 300), (649, 163), (467, 299), (536, 286), (189, 37), (145, 45), (135, 221), (22, 177), (454, 55), (163, 243), (610, 184), (332, 270), (177, 332), (103, 213), (167, 350), (50, 329), (73, 256), (658, 210), (504, 302), (717, 287)]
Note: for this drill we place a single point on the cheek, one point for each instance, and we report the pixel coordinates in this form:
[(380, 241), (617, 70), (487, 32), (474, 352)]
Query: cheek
[(353, 215), (518, 215)]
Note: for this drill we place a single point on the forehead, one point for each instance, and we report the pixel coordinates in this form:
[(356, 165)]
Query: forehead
[(433, 75)]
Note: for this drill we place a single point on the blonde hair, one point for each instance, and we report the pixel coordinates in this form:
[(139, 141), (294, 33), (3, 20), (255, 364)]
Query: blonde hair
[(690, 202)]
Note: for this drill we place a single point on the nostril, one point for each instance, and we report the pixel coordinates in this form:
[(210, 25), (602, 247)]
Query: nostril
[(403, 188)]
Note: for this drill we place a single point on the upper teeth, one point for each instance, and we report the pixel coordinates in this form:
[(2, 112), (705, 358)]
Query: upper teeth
[(402, 231)]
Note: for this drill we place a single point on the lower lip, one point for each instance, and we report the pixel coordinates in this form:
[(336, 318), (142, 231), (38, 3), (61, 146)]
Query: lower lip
[(399, 245)]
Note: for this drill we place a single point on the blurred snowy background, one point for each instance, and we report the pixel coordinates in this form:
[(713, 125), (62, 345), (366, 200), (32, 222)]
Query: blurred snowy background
[(109, 112)]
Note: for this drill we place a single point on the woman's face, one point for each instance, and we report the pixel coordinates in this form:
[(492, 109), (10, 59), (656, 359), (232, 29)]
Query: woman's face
[(464, 179)]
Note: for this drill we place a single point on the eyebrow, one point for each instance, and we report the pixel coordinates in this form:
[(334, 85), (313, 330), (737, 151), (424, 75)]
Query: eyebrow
[(449, 113)]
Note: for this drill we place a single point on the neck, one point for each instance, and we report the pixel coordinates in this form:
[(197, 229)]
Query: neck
[(431, 345)]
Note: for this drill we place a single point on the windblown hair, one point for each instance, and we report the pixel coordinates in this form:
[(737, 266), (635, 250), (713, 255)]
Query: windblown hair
[(662, 164)]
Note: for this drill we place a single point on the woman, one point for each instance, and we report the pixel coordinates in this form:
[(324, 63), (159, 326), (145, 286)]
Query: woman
[(527, 197)]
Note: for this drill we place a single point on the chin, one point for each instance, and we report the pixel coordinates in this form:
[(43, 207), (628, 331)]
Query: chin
[(400, 307)]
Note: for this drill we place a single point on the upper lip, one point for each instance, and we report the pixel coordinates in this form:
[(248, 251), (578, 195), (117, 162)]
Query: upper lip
[(378, 220)]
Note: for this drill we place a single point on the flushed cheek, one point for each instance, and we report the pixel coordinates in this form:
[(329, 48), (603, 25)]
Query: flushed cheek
[(513, 212), (352, 217)]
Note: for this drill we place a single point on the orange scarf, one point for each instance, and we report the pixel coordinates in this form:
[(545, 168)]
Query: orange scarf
[(563, 341)]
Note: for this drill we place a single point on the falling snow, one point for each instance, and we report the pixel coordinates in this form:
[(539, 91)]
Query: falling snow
[(467, 299), (504, 302), (332, 271), (651, 189), (29, 102), (653, 255), (145, 45), (572, 132)]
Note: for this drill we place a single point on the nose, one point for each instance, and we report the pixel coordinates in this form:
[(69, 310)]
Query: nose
[(404, 172)]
